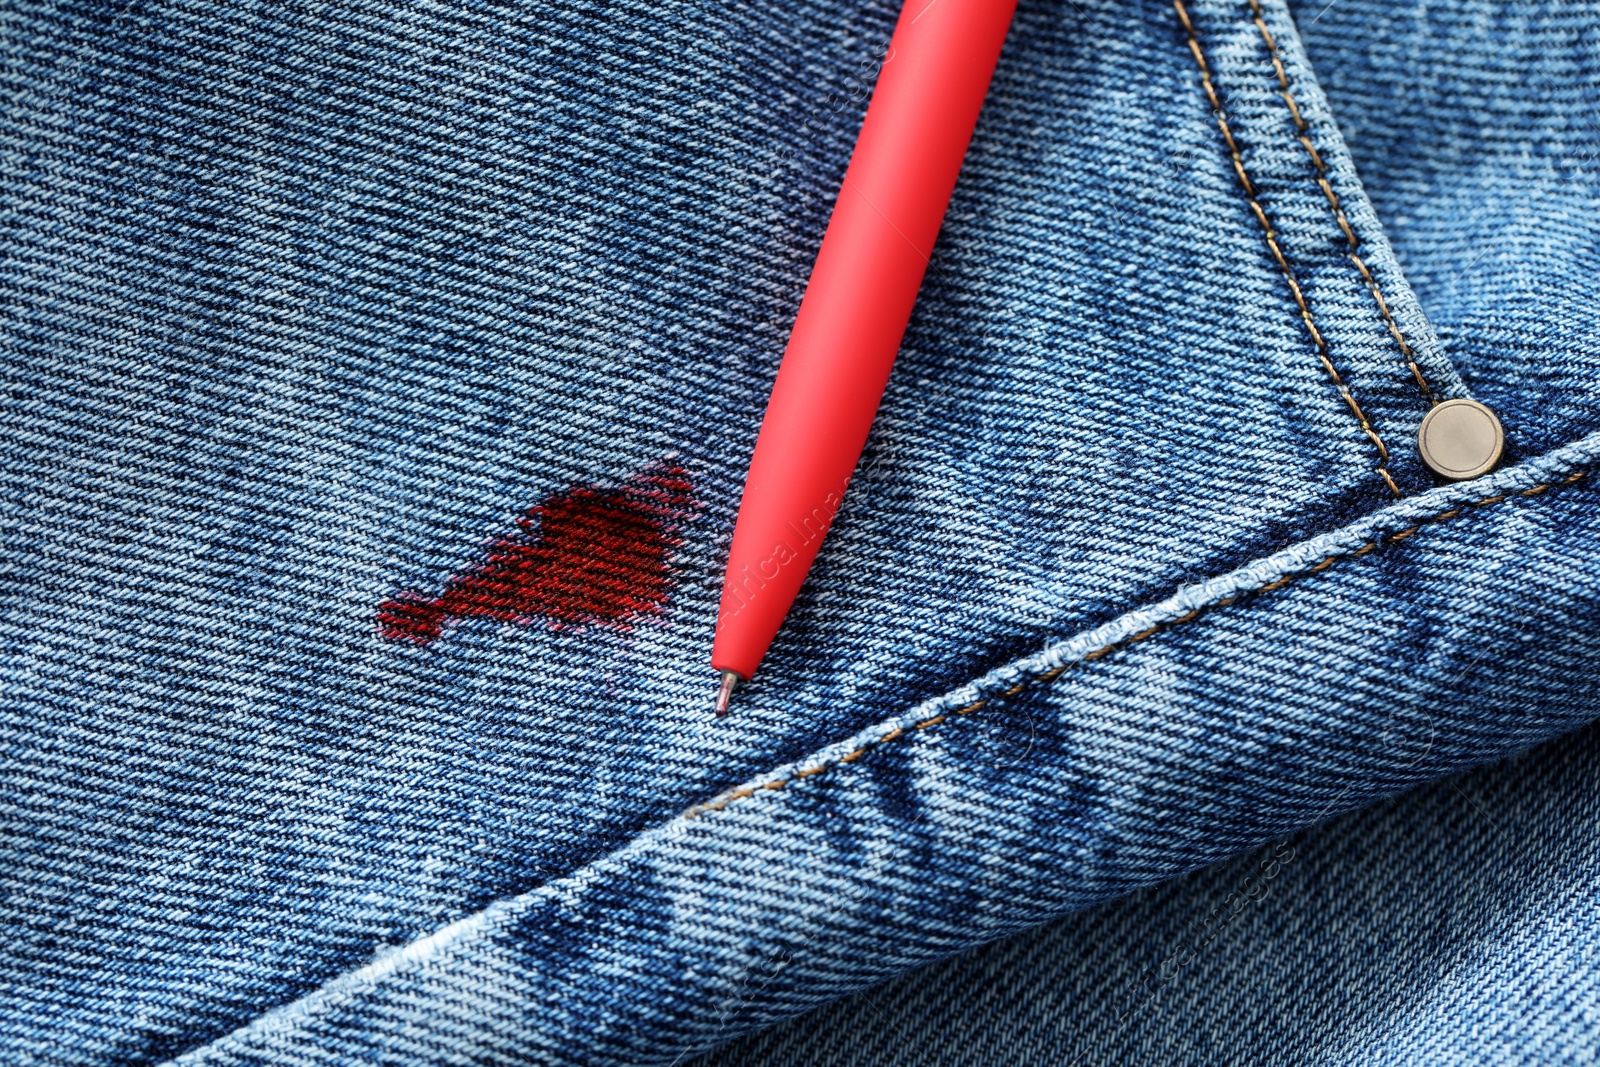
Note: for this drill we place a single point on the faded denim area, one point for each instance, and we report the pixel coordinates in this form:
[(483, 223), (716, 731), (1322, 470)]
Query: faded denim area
[(1488, 178), (1453, 925), (307, 304)]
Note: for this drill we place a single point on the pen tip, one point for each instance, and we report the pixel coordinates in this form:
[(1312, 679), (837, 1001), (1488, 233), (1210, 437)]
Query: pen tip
[(725, 691)]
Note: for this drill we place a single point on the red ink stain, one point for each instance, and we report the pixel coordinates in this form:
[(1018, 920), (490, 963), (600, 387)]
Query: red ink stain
[(582, 557)]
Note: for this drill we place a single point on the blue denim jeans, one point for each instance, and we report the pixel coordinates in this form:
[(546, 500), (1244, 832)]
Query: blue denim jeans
[(379, 383), (1453, 925)]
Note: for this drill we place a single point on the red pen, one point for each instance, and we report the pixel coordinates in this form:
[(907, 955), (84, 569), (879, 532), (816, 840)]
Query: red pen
[(854, 313)]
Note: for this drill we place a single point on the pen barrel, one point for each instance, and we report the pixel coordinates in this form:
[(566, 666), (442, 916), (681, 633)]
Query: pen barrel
[(855, 310)]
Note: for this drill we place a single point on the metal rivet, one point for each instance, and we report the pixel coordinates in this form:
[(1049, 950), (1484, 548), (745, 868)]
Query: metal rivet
[(1460, 439)]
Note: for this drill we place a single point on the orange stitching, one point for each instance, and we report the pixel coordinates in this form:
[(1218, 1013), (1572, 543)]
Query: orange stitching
[(1303, 128), (1272, 244), (1046, 677)]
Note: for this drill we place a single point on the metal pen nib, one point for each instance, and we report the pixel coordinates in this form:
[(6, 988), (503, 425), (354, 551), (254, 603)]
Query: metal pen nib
[(725, 691)]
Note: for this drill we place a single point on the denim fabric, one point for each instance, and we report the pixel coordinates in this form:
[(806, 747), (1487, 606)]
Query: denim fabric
[(1452, 926), (1488, 178), (308, 308), (981, 813)]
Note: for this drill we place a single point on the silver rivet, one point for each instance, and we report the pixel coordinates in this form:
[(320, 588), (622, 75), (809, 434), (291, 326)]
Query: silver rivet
[(1460, 439)]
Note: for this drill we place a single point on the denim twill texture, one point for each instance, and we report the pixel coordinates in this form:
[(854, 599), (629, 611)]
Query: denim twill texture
[(1451, 926), (1455, 928), (305, 304)]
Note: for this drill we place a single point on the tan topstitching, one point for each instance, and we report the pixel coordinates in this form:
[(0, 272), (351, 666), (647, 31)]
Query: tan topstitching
[(1046, 677), (1277, 252), (1303, 129)]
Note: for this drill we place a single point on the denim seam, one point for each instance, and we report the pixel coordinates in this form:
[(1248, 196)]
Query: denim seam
[(1271, 235), (1302, 130), (1046, 677), (446, 941)]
